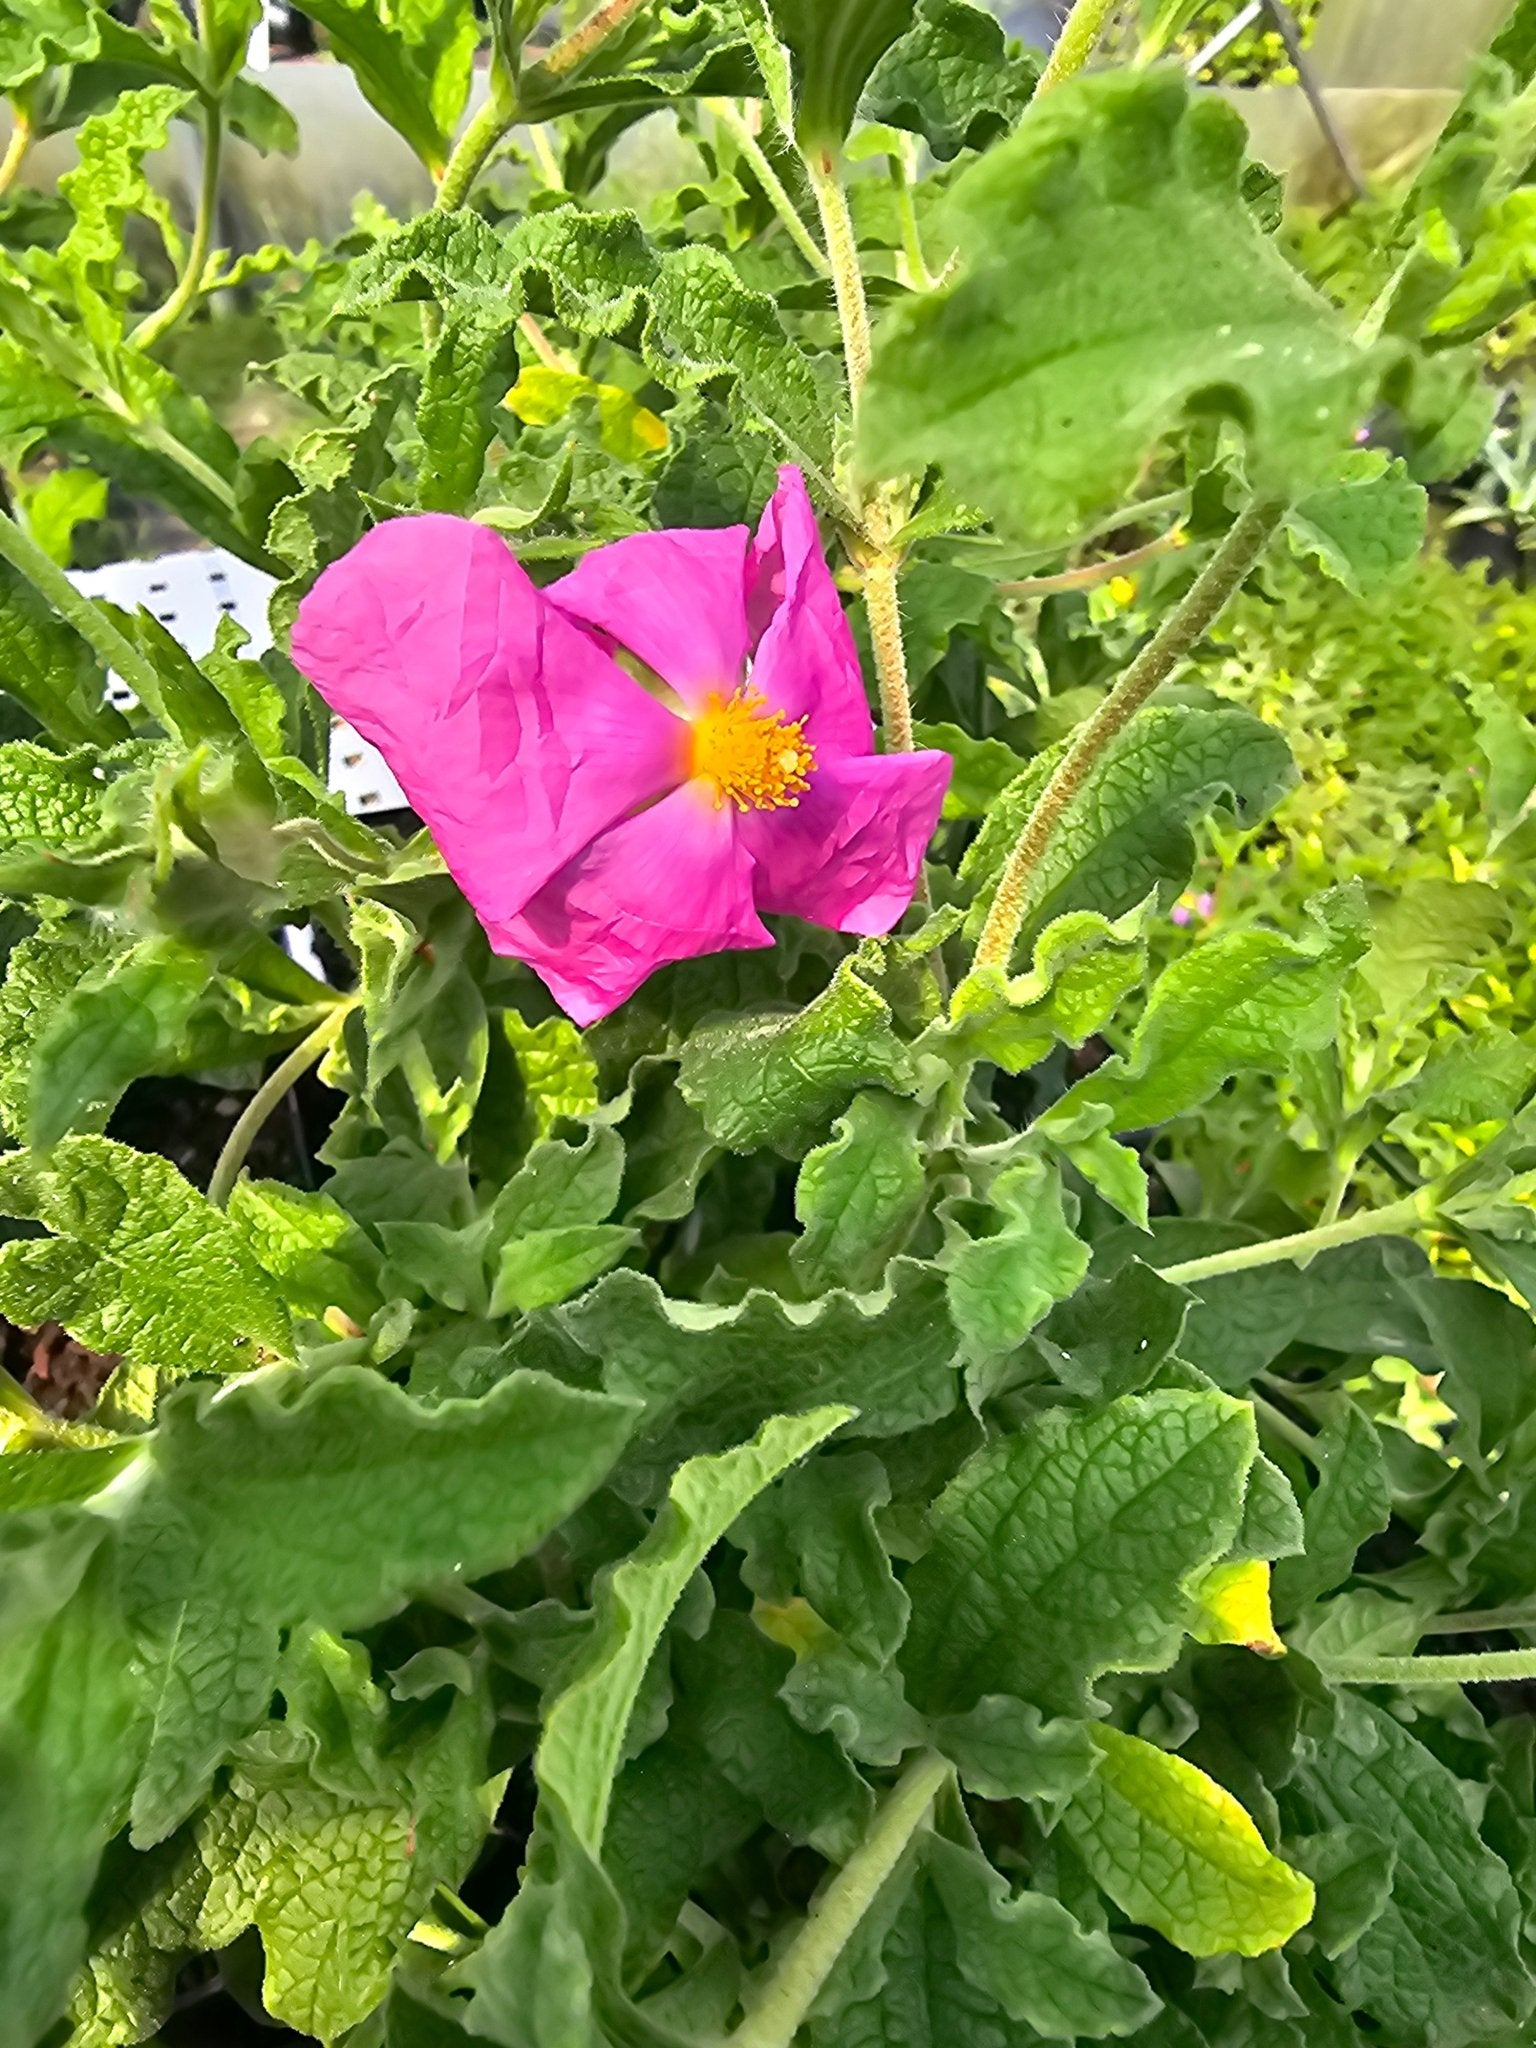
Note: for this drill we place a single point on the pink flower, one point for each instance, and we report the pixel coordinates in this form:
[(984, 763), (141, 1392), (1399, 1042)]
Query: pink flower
[(601, 827)]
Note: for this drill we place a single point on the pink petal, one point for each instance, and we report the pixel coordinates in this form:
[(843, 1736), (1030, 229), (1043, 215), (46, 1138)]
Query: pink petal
[(512, 733), (676, 599), (669, 883), (806, 664), (850, 853)]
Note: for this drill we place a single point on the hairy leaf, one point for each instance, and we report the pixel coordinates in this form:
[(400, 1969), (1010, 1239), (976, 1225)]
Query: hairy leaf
[(1156, 298), (1064, 1552)]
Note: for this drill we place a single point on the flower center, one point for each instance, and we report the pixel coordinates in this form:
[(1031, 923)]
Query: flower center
[(756, 759)]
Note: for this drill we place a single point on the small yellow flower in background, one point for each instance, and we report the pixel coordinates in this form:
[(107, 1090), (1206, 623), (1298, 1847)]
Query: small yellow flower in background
[(1122, 589)]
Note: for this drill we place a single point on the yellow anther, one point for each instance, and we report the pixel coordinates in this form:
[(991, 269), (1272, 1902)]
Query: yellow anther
[(756, 759)]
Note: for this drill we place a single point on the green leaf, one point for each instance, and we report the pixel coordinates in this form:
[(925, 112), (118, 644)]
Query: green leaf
[(582, 1743), (835, 45), (1120, 190), (983, 768), (465, 379), (1429, 940), (953, 78), (815, 1533), (309, 1245), (126, 1021), (546, 1266), (1127, 832), (1351, 1501), (1028, 1952), (42, 972), (911, 1991), (1441, 1963), (69, 1737), (1064, 1552), (1353, 1869), (559, 1074), (413, 60), (779, 1079), (428, 1038), (62, 501), (1244, 1001), (1366, 532), (108, 184), (857, 1198), (39, 1477), (673, 1816), (329, 1501), (1110, 1337), (37, 33), (141, 1263), (1083, 965), (698, 321), (801, 1783), (1175, 1851), (1005, 1749), (334, 1854), (48, 667), (707, 1375), (1010, 1258)]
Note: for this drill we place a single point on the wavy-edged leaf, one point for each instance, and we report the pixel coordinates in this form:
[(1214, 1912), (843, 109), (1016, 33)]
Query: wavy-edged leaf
[(413, 60), (331, 1505), (141, 1263), (698, 321), (1066, 1551), (954, 78), (707, 1374), (1126, 833), (1156, 297)]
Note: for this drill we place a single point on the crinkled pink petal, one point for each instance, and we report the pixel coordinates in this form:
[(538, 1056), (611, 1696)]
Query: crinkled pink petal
[(850, 853), (677, 599), (806, 664), (672, 882), (511, 731)]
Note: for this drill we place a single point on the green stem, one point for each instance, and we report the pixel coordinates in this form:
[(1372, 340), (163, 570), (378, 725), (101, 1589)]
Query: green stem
[(154, 326), (111, 647), (1289, 1432), (1476, 1621), (271, 1092), (1396, 1220), (1220, 579), (15, 150), (774, 189), (919, 276), (1079, 36), (774, 2016), (474, 147), (1094, 573), (1474, 1670), (847, 272)]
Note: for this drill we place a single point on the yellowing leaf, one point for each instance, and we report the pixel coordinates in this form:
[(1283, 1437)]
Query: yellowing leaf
[(626, 428), (1175, 1851), (1234, 1608)]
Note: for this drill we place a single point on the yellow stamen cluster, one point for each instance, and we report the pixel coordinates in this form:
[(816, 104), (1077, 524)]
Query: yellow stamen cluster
[(756, 759)]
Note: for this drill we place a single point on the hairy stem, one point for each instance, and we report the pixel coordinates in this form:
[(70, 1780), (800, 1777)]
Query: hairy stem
[(1476, 1621), (473, 149), (1079, 36), (882, 607), (155, 326), (112, 648), (577, 47), (775, 2014), (15, 150), (271, 1092), (1396, 1220), (1289, 1432), (730, 117), (1206, 598), (543, 347), (880, 563), (1473, 1670), (1093, 573)]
